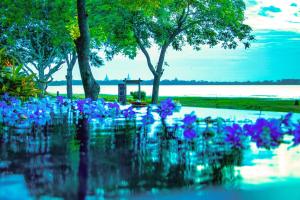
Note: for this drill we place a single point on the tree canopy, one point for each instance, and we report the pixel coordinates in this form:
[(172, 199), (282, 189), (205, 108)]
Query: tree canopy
[(174, 23)]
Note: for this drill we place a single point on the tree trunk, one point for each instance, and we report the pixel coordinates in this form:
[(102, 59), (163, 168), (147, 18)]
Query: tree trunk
[(155, 89), (158, 74), (69, 78), (83, 168), (41, 80), (71, 61), (91, 88)]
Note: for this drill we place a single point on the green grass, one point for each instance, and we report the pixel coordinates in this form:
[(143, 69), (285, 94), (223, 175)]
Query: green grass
[(263, 104)]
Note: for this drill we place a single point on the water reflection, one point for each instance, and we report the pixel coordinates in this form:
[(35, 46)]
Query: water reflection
[(88, 161)]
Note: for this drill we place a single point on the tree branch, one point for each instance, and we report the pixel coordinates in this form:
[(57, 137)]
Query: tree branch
[(54, 69), (145, 52)]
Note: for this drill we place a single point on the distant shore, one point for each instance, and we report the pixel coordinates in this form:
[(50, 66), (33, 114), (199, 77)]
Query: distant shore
[(190, 82), (260, 104)]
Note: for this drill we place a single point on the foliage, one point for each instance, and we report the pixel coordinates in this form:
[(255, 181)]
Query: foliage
[(17, 83), (41, 38), (13, 81), (36, 50), (6, 60), (172, 23), (135, 95)]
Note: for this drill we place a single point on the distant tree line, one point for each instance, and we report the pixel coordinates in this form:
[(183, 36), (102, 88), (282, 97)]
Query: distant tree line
[(189, 82)]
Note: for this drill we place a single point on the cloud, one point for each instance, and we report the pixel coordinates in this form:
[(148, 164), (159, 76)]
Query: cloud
[(272, 15), (293, 5), (264, 11)]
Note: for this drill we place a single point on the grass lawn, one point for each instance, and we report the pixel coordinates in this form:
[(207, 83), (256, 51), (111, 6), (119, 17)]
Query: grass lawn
[(263, 104)]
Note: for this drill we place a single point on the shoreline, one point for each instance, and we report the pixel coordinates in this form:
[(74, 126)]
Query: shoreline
[(236, 103)]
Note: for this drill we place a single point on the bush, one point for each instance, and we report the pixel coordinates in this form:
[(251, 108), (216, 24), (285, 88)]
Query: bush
[(135, 95), (15, 82)]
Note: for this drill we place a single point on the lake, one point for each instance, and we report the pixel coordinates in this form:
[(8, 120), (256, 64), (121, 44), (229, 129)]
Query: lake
[(266, 91)]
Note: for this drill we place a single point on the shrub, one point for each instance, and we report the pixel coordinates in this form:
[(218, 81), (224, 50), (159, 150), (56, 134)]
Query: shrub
[(135, 95), (15, 82)]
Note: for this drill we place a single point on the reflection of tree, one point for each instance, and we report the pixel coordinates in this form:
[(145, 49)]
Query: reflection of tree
[(43, 161), (221, 168), (132, 161), (117, 163), (83, 169)]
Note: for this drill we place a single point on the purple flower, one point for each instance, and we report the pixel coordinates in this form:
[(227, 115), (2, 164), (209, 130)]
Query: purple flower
[(189, 133), (60, 99), (128, 113), (296, 134), (189, 119), (248, 129), (114, 109), (166, 108), (5, 96), (267, 133), (287, 121), (80, 105), (188, 126), (148, 119), (235, 136)]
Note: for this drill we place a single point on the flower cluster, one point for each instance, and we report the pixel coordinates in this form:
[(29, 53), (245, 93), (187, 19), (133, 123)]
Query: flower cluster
[(235, 136), (129, 113), (266, 133), (189, 126), (14, 113), (166, 108)]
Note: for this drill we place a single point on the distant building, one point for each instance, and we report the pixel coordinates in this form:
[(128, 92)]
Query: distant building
[(106, 78), (128, 77)]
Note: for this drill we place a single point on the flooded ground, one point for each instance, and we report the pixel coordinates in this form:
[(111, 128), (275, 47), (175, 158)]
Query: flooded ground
[(70, 163), (123, 160)]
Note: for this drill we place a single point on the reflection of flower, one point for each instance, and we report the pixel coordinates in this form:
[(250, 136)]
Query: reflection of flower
[(189, 133)]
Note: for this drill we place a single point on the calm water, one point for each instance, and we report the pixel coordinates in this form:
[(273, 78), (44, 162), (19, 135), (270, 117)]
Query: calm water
[(123, 161), (270, 91)]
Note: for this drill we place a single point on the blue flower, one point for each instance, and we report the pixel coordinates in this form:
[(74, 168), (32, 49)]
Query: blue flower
[(60, 99), (166, 108), (188, 125), (287, 120), (189, 119), (148, 119), (189, 133), (128, 113), (266, 133), (235, 136), (296, 134)]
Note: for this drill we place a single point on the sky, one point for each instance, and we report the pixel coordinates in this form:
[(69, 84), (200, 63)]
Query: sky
[(274, 55)]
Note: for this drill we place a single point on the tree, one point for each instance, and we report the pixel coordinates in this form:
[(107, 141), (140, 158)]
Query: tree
[(172, 23), (35, 49), (21, 12), (71, 58), (91, 88)]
